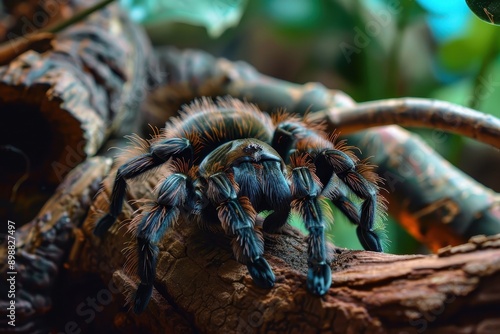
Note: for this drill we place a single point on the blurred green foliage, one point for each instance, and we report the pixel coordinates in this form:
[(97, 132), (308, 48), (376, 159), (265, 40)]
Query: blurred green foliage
[(215, 15), (371, 49)]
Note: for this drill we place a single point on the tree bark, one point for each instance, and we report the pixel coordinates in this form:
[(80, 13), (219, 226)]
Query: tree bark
[(60, 102), (42, 247), (201, 288)]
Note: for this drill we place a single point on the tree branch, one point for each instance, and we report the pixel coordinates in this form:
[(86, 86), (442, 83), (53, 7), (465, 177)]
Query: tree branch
[(414, 112), (200, 286), (60, 101), (42, 247)]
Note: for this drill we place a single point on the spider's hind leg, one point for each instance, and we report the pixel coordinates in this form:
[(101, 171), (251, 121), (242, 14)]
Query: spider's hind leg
[(175, 193), (159, 153), (306, 191), (238, 217), (345, 168)]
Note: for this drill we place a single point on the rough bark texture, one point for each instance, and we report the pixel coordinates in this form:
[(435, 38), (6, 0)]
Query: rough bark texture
[(42, 247), (201, 288), (59, 105), (415, 112)]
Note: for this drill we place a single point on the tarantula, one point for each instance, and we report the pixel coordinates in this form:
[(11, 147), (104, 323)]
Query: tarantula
[(229, 161)]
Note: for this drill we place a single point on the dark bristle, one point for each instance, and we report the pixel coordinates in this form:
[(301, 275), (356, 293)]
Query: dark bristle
[(103, 225)]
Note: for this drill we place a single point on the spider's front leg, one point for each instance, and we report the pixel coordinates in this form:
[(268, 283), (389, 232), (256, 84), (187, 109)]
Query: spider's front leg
[(176, 192), (158, 154), (238, 218), (306, 191)]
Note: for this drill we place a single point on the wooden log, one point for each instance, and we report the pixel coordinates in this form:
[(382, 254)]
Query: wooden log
[(59, 105), (42, 246), (200, 288)]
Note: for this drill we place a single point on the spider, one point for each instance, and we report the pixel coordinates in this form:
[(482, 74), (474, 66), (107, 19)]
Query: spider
[(228, 161)]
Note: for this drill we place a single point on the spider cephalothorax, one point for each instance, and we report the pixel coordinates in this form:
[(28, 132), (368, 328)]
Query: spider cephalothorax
[(229, 161)]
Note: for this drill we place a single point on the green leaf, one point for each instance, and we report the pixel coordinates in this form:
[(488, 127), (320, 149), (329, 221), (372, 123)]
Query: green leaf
[(486, 10), (215, 15)]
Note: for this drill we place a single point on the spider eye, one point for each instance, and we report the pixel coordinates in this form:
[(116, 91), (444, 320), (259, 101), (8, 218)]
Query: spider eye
[(252, 148), (488, 11)]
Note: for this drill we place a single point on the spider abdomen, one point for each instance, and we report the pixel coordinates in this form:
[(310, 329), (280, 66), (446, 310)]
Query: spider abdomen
[(208, 126)]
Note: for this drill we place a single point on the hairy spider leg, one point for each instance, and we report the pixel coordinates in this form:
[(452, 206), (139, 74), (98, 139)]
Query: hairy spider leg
[(237, 217), (159, 153), (345, 168), (286, 135), (330, 161), (285, 140), (175, 193), (306, 192), (338, 196)]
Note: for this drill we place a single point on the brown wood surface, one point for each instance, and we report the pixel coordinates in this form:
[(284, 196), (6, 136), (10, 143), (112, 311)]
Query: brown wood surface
[(60, 101), (201, 288), (43, 245)]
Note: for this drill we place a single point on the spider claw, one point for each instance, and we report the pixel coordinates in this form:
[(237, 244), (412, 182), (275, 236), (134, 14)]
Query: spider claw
[(369, 240), (261, 273), (319, 279), (142, 296), (103, 225)]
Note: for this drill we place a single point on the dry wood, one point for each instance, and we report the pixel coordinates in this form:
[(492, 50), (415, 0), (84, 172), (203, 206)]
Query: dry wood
[(42, 247), (195, 73), (39, 42), (414, 112), (59, 105), (200, 287)]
